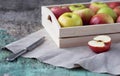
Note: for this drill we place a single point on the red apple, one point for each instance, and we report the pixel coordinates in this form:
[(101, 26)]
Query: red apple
[(118, 19), (85, 14), (113, 4), (95, 6), (109, 11), (57, 10), (101, 18), (99, 44), (117, 10)]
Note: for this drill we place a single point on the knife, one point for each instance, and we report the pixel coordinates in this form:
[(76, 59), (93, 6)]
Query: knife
[(29, 48)]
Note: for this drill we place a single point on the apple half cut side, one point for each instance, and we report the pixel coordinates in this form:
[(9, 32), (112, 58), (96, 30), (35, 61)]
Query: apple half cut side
[(99, 44)]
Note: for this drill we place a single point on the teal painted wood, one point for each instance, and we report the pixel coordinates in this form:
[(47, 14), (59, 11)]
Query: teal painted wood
[(33, 67)]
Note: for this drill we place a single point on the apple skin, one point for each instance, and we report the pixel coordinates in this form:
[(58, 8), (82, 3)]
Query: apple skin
[(101, 18), (108, 11), (86, 14), (117, 10), (70, 19), (57, 10), (100, 48), (95, 6), (113, 4), (76, 7), (118, 19)]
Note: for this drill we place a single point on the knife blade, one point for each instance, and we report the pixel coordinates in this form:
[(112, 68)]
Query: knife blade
[(29, 48)]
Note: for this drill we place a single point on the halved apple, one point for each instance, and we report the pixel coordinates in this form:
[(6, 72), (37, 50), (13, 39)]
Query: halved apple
[(100, 43)]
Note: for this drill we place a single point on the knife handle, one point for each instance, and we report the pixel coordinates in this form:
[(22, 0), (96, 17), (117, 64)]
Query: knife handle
[(14, 56)]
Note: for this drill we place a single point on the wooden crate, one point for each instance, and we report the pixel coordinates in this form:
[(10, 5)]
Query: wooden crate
[(75, 36)]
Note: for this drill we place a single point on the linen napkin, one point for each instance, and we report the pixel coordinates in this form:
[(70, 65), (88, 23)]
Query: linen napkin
[(48, 52)]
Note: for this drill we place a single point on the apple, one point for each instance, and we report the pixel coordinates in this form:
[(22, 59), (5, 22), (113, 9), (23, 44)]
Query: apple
[(86, 14), (95, 6), (108, 11), (99, 44), (101, 18), (76, 7), (57, 10), (113, 4), (117, 10), (118, 19), (70, 19)]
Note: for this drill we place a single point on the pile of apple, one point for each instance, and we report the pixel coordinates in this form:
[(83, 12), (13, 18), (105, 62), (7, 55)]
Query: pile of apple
[(94, 13)]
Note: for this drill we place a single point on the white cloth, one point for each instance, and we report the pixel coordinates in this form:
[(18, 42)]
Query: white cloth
[(48, 52)]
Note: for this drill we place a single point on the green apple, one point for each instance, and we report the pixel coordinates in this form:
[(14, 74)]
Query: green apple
[(95, 6), (108, 11), (76, 7), (70, 19), (85, 14)]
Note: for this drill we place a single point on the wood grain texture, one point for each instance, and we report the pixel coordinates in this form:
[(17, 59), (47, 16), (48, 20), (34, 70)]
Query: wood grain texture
[(33, 67), (75, 36)]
